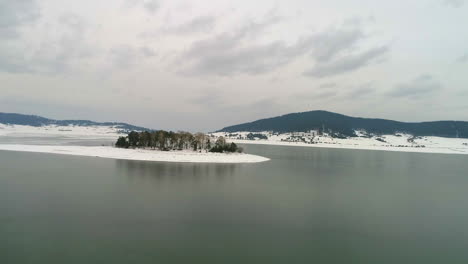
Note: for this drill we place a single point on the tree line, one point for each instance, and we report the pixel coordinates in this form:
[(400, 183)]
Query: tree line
[(168, 140)]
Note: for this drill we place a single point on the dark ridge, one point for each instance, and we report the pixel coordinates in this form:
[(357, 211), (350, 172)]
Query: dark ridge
[(33, 120), (346, 125)]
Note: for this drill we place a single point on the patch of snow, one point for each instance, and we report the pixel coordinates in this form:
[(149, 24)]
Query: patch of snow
[(65, 132), (88, 132)]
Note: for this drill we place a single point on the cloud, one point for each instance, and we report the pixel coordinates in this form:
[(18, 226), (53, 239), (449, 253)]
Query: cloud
[(201, 24), (463, 58), (250, 60), (347, 63), (341, 92), (328, 85), (422, 85), (231, 53), (329, 44), (58, 54), (238, 52), (12, 61), (125, 56), (325, 95), (362, 90), (15, 14), (53, 53), (454, 3), (147, 51), (150, 6)]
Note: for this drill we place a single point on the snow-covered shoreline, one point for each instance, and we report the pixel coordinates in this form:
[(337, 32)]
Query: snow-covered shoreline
[(138, 154), (73, 135), (396, 143), (356, 147), (72, 132)]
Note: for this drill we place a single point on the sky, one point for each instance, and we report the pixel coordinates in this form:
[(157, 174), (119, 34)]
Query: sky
[(204, 65)]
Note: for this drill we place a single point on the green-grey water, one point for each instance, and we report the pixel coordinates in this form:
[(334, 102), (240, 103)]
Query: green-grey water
[(306, 205)]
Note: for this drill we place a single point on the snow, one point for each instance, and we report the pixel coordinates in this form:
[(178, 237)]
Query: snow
[(86, 132), (138, 154), (399, 142), (47, 139), (51, 139)]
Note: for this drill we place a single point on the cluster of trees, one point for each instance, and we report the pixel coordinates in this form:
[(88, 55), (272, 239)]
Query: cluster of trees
[(168, 140), (252, 136)]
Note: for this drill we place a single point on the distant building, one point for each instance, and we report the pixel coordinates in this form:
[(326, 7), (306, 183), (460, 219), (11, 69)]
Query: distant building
[(310, 133)]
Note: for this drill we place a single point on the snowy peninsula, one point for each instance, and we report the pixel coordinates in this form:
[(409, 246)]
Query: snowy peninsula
[(138, 154)]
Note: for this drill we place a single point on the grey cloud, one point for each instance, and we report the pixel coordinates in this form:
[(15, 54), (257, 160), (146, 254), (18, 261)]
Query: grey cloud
[(232, 53), (53, 54), (14, 14), (331, 43), (250, 60), (463, 58), (328, 85), (123, 56), (226, 54), (206, 100), (454, 3), (12, 61), (57, 55), (346, 64), (126, 56), (201, 24), (151, 6), (333, 90), (256, 109), (423, 85), (326, 94), (361, 91), (147, 51)]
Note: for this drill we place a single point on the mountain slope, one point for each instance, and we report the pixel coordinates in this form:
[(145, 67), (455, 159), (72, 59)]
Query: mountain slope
[(346, 125), (37, 121)]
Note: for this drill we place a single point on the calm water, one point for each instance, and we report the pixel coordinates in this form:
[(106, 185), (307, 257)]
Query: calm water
[(306, 205)]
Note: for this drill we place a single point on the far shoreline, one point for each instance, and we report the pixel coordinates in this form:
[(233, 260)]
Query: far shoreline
[(426, 150)]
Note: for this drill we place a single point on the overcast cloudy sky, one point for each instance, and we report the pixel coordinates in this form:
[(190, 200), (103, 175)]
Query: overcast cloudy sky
[(203, 65)]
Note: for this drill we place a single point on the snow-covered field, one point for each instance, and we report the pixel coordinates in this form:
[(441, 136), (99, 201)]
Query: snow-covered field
[(86, 132), (57, 139), (399, 142), (138, 154)]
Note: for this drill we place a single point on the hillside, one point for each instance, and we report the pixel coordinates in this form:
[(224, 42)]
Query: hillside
[(342, 125), (38, 121)]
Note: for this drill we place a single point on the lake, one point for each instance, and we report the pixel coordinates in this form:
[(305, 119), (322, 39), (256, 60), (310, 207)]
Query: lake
[(306, 205)]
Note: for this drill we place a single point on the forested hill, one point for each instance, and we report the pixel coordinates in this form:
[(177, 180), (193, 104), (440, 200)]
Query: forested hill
[(32, 120), (346, 125)]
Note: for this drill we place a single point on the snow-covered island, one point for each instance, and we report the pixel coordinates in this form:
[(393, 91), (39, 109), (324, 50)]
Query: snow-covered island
[(396, 142), (42, 139)]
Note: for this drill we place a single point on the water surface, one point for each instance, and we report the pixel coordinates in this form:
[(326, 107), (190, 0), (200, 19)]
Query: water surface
[(306, 205)]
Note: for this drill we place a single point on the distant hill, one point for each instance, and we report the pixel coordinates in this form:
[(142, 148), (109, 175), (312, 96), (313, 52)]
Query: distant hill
[(33, 120), (342, 125)]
